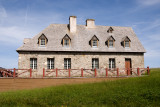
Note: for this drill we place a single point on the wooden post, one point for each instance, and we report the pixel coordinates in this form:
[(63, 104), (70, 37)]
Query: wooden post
[(81, 72), (95, 72), (14, 73), (148, 70), (30, 72), (6, 74), (56, 72), (43, 72), (69, 72), (106, 72), (117, 72), (138, 72), (3, 74)]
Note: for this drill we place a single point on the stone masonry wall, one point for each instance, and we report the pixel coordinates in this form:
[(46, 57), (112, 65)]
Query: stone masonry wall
[(78, 60)]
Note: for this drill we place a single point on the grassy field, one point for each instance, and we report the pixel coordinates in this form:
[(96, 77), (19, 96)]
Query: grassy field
[(138, 91)]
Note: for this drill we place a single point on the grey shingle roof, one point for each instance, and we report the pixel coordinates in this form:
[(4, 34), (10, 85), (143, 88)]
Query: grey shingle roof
[(80, 39)]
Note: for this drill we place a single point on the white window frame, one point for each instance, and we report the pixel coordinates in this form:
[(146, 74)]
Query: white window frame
[(66, 64), (94, 43), (43, 42), (111, 41), (50, 63), (33, 63), (127, 46), (66, 42), (111, 63), (94, 63)]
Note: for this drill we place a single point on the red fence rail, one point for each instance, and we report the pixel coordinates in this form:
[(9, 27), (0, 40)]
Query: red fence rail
[(103, 72), (14, 73)]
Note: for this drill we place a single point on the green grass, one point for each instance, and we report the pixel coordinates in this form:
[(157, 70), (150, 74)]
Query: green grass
[(138, 91)]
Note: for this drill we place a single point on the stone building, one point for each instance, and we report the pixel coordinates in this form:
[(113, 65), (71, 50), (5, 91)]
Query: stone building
[(87, 46)]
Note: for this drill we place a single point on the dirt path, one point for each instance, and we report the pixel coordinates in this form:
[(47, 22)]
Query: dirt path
[(19, 84)]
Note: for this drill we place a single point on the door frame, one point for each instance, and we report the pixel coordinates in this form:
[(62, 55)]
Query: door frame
[(128, 59)]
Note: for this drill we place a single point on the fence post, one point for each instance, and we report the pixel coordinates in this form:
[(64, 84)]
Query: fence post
[(148, 70), (69, 72), (138, 71), (43, 72), (81, 72), (117, 72), (14, 73), (30, 72), (95, 72), (106, 72), (3, 73), (56, 72), (6, 74)]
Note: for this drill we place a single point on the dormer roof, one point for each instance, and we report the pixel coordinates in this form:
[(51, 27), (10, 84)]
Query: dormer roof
[(66, 37), (110, 29), (126, 38), (94, 38), (110, 38)]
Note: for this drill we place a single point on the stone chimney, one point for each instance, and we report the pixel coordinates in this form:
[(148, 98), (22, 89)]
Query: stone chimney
[(90, 23), (72, 24)]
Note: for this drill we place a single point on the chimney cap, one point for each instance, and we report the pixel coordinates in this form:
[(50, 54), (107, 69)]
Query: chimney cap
[(73, 16), (90, 20)]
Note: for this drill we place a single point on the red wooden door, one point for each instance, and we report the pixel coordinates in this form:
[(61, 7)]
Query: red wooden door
[(128, 65)]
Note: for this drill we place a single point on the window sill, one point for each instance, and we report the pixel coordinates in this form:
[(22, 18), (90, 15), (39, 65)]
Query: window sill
[(111, 47), (127, 48), (95, 47), (42, 46)]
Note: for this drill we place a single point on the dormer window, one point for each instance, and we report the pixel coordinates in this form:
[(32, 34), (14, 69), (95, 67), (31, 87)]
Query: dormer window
[(110, 30), (110, 42), (42, 40), (66, 41), (94, 42), (126, 42)]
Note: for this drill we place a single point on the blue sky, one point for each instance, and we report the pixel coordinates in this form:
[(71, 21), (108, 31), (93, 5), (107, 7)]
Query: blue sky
[(21, 19)]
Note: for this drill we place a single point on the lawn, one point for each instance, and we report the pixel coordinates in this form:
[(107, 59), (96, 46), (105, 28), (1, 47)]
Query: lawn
[(138, 91)]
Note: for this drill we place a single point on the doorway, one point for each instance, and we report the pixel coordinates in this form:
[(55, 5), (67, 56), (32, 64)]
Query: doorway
[(128, 65)]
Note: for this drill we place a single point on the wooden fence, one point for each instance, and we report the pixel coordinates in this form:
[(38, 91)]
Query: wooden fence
[(69, 73)]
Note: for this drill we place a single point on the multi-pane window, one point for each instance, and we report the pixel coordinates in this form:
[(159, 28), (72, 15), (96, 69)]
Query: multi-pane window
[(112, 63), (33, 63), (66, 42), (95, 63), (43, 42), (126, 43), (50, 63), (110, 43), (67, 63), (94, 43)]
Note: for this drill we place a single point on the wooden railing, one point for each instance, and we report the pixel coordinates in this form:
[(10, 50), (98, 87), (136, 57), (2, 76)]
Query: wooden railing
[(58, 73)]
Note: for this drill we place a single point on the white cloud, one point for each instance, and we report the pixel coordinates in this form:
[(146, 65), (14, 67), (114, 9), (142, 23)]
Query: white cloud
[(3, 14), (153, 53), (148, 2), (155, 37), (12, 34)]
